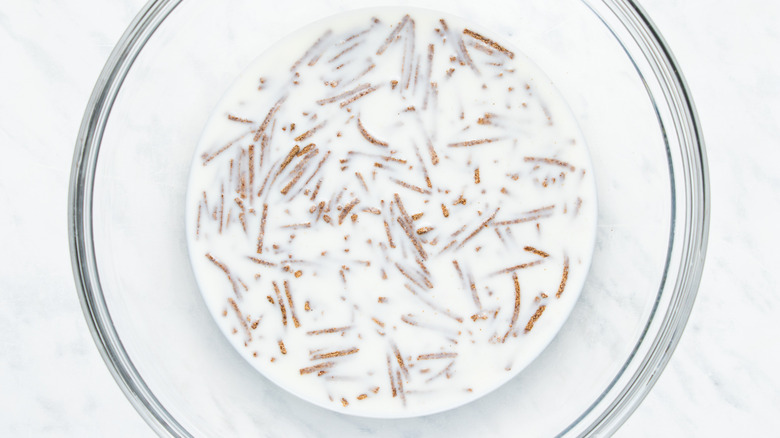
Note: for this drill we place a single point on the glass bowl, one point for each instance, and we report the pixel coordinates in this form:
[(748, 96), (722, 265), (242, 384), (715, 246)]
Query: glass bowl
[(137, 289)]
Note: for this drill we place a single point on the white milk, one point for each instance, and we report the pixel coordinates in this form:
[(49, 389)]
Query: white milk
[(334, 289)]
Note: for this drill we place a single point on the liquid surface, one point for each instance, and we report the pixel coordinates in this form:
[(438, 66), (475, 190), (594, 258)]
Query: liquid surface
[(391, 213)]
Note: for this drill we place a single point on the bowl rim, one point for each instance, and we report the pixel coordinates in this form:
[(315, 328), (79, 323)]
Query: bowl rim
[(693, 240)]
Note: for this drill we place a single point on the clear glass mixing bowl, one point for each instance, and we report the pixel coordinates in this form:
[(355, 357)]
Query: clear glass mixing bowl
[(150, 323)]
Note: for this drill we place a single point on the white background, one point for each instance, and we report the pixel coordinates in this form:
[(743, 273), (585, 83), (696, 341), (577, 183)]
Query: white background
[(723, 380)]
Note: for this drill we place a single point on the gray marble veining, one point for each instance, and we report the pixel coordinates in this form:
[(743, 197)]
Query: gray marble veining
[(722, 380)]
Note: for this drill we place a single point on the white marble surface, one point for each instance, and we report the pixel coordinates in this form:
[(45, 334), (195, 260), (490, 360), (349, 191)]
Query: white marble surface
[(722, 380)]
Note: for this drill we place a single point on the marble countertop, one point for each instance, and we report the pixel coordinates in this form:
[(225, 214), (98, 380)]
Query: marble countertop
[(721, 381)]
